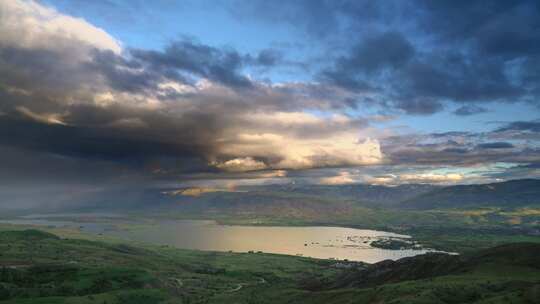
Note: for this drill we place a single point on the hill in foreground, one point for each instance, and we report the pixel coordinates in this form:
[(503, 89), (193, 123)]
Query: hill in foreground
[(42, 268)]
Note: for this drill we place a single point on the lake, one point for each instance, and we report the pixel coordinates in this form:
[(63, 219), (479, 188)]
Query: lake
[(317, 242)]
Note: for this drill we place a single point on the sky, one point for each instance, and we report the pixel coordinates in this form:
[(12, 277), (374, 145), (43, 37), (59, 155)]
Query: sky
[(112, 93)]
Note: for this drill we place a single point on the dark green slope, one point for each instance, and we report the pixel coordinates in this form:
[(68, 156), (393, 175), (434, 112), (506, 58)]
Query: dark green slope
[(432, 265), (504, 274), (39, 267), (413, 268)]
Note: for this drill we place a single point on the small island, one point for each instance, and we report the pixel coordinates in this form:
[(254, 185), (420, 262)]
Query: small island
[(395, 244)]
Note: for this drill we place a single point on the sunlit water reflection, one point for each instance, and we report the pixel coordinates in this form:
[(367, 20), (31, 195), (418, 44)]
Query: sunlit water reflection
[(318, 242)]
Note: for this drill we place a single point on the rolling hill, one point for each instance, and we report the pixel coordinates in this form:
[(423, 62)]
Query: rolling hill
[(510, 194), (85, 271)]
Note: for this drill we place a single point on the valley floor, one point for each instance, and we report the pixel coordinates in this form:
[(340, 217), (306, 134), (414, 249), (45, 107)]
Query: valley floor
[(450, 230)]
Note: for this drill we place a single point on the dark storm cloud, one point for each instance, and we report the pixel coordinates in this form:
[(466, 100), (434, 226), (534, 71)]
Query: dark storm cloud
[(468, 110), (530, 166), (427, 53), (531, 126), (438, 156), (52, 103), (420, 105), (454, 76), (423, 85), (180, 61), (47, 107), (389, 50), (526, 131), (496, 145), (266, 58), (40, 70), (125, 75), (132, 147), (502, 28), (24, 166), (455, 150), (319, 18), (464, 148), (489, 36), (221, 65), (450, 134)]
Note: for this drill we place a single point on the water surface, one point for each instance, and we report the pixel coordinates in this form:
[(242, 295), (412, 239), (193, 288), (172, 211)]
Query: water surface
[(318, 242)]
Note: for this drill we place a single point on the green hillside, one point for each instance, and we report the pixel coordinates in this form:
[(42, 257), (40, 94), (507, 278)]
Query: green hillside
[(38, 267)]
